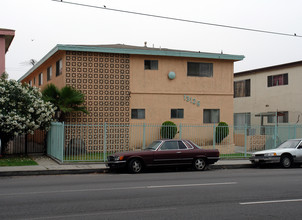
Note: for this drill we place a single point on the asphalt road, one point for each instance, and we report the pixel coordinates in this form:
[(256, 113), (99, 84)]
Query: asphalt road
[(213, 194)]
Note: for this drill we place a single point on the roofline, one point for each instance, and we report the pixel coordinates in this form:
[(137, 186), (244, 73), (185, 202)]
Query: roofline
[(39, 63), (105, 49), (9, 35), (279, 66)]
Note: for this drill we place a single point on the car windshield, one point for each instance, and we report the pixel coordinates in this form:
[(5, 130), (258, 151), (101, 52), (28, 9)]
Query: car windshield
[(153, 145), (289, 144)]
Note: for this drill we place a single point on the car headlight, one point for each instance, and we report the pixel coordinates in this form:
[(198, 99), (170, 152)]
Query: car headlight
[(270, 154), (118, 158)]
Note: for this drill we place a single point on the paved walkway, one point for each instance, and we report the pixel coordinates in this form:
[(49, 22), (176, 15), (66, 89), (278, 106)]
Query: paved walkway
[(47, 166)]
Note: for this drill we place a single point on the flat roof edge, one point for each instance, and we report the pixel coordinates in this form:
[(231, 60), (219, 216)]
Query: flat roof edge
[(267, 68), (159, 52), (151, 52)]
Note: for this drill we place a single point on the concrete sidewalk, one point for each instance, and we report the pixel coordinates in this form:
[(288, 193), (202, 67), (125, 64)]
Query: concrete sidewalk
[(47, 166)]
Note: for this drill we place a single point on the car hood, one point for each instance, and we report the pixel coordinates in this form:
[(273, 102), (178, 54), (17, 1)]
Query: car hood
[(133, 153), (276, 150)]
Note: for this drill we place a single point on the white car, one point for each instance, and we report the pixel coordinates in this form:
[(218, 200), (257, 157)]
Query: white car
[(286, 154)]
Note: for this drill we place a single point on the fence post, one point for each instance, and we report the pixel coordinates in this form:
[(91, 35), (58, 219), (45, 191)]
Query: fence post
[(295, 135), (144, 135), (214, 136), (245, 139), (25, 144), (275, 133), (105, 141), (180, 130), (62, 140)]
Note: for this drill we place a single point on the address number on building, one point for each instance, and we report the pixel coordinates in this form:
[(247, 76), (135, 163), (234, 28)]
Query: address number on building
[(192, 100)]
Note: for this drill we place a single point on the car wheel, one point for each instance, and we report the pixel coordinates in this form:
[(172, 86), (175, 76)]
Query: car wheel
[(286, 161), (135, 166), (199, 164)]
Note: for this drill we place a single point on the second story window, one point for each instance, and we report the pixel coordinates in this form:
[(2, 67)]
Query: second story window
[(151, 64), (177, 113), (34, 80), (59, 67), (138, 113), (242, 88), (40, 79), (277, 80), (200, 69), (49, 73), (30, 83)]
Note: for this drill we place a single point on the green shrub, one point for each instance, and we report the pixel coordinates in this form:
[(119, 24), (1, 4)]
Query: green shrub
[(222, 131), (168, 130)]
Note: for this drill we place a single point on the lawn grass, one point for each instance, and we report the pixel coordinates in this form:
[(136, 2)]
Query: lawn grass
[(236, 155), (20, 160), (89, 157)]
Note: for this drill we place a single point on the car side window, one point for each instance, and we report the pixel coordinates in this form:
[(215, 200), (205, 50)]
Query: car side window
[(169, 145), (181, 145)]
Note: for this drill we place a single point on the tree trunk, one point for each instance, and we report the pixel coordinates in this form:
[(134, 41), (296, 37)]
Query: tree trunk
[(4, 144)]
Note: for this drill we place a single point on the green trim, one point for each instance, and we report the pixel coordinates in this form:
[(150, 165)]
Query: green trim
[(38, 64), (150, 51), (154, 52)]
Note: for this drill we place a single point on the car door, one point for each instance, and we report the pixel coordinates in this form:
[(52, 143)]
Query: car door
[(185, 154), (167, 153), (298, 153)]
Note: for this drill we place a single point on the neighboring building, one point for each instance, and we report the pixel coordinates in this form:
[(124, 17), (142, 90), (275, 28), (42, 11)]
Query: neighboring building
[(6, 38), (260, 95), (129, 84)]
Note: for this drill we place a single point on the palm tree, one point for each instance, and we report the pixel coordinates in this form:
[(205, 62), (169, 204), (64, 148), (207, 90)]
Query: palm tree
[(66, 100)]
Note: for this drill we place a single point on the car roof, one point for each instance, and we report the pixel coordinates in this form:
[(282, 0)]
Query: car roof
[(172, 140)]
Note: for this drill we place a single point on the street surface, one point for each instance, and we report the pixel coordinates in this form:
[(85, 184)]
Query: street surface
[(213, 194)]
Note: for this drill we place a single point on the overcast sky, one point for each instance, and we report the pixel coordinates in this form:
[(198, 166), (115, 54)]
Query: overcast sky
[(41, 24)]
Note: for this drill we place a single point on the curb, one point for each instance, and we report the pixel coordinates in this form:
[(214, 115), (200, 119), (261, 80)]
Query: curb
[(232, 166), (99, 170), (52, 172)]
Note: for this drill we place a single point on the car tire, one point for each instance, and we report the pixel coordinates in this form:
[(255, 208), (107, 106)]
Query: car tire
[(286, 161), (199, 164), (135, 166)]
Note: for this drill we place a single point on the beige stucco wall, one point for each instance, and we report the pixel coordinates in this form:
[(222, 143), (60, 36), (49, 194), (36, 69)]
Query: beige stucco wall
[(153, 91), (272, 99)]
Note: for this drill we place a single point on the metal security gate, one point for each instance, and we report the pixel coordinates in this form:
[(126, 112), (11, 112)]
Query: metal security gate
[(28, 144)]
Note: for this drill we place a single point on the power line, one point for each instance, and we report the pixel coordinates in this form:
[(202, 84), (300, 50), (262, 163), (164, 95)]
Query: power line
[(180, 19)]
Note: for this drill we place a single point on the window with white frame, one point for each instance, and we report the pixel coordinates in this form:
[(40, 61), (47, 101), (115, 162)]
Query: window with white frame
[(277, 80)]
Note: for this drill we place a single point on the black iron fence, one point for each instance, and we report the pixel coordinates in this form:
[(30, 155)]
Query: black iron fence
[(28, 144)]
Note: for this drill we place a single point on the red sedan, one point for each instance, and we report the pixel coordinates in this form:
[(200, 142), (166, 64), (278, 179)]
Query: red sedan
[(164, 153)]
